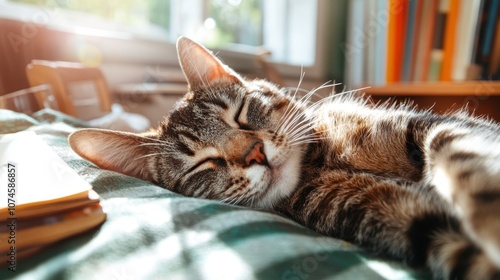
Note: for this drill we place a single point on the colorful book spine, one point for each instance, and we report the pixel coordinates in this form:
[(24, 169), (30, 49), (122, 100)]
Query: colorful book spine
[(423, 51), (489, 32), (354, 47), (436, 55), (449, 40), (370, 31), (398, 11), (412, 31), (381, 42), (494, 69), (464, 42), (474, 69), (419, 18)]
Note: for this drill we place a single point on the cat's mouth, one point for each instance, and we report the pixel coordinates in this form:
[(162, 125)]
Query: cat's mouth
[(279, 162), (283, 173)]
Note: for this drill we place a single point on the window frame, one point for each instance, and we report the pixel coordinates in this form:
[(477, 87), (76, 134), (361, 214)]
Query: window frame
[(117, 47)]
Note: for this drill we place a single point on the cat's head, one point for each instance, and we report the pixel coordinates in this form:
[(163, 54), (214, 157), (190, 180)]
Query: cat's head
[(228, 139)]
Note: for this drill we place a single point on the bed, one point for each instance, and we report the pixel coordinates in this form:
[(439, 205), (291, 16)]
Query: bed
[(152, 233)]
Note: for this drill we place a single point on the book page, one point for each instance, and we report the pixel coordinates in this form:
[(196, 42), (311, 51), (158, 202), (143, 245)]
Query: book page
[(32, 174)]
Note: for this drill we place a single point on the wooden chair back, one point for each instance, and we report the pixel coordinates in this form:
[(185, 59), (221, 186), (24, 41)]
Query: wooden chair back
[(80, 91)]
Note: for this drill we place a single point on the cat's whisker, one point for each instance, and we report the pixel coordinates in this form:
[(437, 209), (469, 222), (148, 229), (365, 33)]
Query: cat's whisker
[(312, 137), (224, 200), (302, 135), (285, 119), (337, 95), (291, 102), (303, 90), (330, 98), (302, 143), (301, 79), (299, 128), (239, 197), (150, 155), (156, 144), (294, 109), (239, 200), (252, 201), (287, 123), (233, 201), (305, 132), (291, 126), (305, 140), (302, 102), (327, 84), (314, 91), (299, 122), (154, 140), (291, 119)]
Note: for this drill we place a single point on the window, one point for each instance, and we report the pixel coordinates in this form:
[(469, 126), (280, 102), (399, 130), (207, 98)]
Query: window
[(285, 27), (290, 29)]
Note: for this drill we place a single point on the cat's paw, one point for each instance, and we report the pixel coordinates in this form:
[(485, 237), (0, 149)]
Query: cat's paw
[(453, 256), (470, 181), (480, 211)]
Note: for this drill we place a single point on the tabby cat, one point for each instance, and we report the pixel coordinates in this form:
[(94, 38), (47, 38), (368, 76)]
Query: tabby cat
[(415, 186)]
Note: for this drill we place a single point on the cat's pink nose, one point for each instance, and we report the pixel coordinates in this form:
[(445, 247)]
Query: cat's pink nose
[(256, 155)]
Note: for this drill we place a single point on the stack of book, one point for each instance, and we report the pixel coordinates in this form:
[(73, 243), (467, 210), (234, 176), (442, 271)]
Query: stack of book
[(42, 200), (422, 40)]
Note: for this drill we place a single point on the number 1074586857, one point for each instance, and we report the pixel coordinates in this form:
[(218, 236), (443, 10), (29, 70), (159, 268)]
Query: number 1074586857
[(11, 188)]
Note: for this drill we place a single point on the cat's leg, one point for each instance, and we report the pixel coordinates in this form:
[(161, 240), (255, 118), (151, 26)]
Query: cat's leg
[(464, 167), (398, 219)]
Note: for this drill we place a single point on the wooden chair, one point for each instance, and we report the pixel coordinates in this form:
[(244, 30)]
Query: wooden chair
[(80, 91)]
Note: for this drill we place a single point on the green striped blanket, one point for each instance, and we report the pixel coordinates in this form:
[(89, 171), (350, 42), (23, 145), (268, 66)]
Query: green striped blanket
[(152, 233)]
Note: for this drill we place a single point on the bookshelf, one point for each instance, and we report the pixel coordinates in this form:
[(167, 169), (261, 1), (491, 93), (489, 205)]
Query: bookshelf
[(466, 88), (395, 41), (440, 54), (482, 98)]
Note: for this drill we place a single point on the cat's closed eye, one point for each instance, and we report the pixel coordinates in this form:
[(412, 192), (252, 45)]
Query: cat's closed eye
[(209, 163), (218, 161)]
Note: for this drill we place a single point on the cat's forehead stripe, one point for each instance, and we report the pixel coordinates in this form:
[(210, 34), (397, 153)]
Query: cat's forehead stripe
[(189, 135), (229, 116), (243, 117)]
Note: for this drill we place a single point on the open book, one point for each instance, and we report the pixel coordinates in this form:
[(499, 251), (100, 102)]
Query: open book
[(42, 200)]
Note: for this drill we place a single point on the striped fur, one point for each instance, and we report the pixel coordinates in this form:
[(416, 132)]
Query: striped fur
[(411, 185)]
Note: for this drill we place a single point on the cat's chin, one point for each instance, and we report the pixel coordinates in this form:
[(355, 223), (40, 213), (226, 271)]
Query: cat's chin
[(284, 177)]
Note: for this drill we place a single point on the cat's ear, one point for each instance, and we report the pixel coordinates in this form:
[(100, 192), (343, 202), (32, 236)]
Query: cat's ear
[(201, 67), (123, 152)]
